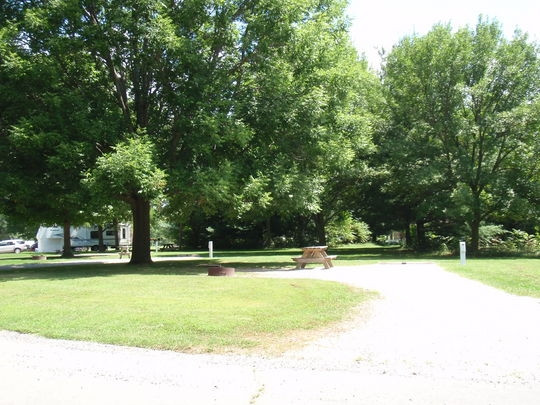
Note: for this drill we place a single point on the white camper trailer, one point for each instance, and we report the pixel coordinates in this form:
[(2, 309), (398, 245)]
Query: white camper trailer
[(51, 239)]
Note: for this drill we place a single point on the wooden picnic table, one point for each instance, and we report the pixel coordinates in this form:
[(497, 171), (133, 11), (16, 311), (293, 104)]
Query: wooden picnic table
[(314, 254), (124, 250)]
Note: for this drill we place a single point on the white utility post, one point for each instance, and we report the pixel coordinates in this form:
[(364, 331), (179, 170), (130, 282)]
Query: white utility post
[(462, 252), (210, 249)]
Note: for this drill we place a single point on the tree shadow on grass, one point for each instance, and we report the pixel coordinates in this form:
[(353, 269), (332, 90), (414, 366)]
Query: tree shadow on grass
[(244, 261), (87, 270), (24, 259), (386, 254), (67, 271)]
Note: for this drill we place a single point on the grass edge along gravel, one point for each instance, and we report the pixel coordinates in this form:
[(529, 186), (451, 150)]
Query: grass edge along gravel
[(518, 276), (171, 305)]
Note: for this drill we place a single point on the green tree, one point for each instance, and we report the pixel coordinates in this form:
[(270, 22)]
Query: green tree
[(461, 116), (310, 113), (51, 123), (189, 74), (129, 173)]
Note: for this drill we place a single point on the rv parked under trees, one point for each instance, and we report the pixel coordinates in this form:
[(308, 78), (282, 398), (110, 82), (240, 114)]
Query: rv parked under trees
[(51, 239)]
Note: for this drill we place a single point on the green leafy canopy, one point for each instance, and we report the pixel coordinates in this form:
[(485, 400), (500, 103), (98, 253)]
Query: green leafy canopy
[(129, 171)]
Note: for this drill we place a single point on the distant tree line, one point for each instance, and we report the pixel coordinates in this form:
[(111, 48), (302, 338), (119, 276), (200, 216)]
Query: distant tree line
[(256, 124)]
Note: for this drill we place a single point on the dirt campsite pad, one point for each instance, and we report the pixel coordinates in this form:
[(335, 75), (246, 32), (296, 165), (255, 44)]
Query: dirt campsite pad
[(432, 337)]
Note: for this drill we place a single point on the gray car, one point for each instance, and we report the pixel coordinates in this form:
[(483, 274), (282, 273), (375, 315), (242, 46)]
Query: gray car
[(12, 246)]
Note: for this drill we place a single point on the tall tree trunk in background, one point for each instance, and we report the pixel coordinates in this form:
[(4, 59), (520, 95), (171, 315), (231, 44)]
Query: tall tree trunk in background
[(475, 236), (320, 225), (408, 236), (101, 245), (475, 225), (421, 236), (140, 209), (67, 240), (475, 222), (267, 233)]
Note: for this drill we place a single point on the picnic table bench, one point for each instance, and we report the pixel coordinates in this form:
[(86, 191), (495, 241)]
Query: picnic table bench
[(314, 254), (124, 250)]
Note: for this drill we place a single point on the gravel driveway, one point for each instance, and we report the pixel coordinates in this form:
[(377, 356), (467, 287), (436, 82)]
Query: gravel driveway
[(432, 338)]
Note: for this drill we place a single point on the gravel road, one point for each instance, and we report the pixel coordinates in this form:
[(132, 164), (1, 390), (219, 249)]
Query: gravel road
[(431, 338)]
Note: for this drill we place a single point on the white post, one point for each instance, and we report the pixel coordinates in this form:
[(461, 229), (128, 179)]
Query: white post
[(462, 252), (157, 245), (210, 249)]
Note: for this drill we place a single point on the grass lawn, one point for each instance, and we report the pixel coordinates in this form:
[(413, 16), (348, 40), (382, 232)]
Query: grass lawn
[(170, 305), (175, 305), (520, 276), (261, 258), (12, 259)]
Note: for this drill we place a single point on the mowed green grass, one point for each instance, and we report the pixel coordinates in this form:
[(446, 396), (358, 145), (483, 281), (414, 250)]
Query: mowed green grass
[(171, 305), (175, 305), (520, 276), (257, 258), (23, 258)]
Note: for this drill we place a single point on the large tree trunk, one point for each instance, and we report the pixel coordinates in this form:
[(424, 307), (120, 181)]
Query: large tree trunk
[(140, 209), (421, 236), (475, 224), (475, 236), (67, 240), (475, 232), (408, 236)]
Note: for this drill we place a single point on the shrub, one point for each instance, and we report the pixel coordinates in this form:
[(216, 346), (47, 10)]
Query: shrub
[(503, 242), (346, 229), (361, 231), (491, 235)]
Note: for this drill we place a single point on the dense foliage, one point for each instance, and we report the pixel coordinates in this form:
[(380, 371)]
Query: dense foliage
[(461, 143), (256, 124)]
